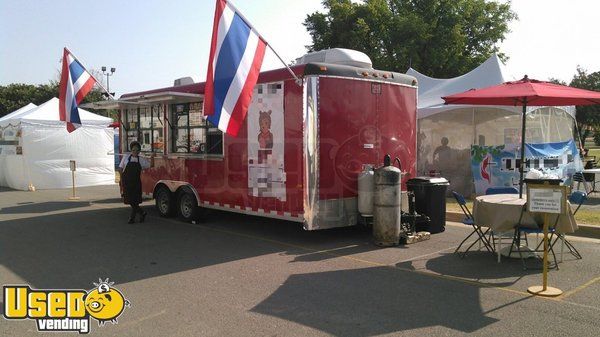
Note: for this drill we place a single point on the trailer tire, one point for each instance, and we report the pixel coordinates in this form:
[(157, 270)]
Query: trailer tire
[(187, 207), (164, 201)]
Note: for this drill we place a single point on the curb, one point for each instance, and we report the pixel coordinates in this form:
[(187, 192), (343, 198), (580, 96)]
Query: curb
[(587, 231)]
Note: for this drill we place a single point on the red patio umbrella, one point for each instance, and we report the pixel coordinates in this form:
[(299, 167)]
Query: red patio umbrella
[(522, 93)]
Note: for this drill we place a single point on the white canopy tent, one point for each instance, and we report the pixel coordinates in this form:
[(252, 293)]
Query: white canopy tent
[(36, 149), (18, 112), (464, 125)]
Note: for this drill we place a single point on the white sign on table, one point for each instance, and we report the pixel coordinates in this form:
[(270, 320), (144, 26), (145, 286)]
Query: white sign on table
[(545, 200)]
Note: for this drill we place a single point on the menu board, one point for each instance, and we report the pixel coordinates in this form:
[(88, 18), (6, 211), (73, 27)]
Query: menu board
[(10, 140), (195, 114)]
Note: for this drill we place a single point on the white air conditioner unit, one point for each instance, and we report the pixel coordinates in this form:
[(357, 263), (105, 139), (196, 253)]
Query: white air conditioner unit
[(342, 56), (183, 81)]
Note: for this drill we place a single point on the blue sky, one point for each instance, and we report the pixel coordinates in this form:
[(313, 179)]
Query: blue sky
[(153, 42), (150, 42)]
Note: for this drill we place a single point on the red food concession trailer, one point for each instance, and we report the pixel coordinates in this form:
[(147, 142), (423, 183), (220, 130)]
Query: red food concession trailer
[(298, 155)]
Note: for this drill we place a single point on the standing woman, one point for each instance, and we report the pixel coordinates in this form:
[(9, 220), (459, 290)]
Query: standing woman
[(131, 168)]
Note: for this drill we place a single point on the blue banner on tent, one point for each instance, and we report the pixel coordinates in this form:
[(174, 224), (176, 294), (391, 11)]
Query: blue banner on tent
[(498, 166)]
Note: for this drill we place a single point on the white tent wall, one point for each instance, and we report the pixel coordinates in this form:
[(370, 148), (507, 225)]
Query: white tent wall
[(8, 147), (2, 171), (48, 150), (458, 129), (483, 126), (465, 125), (6, 125), (40, 149)]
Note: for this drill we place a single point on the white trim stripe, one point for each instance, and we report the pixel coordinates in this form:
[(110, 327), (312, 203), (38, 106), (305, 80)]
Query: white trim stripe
[(83, 78), (224, 24), (70, 97), (239, 80), (249, 211)]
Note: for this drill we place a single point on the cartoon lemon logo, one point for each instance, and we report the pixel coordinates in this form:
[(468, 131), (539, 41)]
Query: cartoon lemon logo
[(105, 303)]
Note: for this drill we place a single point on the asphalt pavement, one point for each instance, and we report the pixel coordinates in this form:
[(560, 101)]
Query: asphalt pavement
[(237, 275)]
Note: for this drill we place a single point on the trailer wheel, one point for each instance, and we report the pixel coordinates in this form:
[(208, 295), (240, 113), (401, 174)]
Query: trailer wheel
[(165, 203), (188, 207)]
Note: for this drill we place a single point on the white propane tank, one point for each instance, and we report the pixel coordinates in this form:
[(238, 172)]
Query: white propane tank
[(366, 190)]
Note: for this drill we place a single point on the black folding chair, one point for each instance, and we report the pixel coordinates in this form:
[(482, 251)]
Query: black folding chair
[(469, 221), (580, 178)]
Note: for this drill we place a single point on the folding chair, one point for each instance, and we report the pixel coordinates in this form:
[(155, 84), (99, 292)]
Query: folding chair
[(517, 238), (576, 198), (469, 221), (590, 163), (502, 190), (580, 178), (499, 237)]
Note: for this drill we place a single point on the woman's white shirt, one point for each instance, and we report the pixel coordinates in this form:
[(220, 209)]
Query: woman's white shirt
[(144, 163)]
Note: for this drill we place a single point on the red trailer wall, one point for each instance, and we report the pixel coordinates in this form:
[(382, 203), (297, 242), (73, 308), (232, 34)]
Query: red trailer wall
[(353, 113), (224, 181)]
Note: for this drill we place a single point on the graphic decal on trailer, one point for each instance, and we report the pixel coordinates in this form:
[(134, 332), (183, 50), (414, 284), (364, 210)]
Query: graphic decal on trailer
[(266, 172)]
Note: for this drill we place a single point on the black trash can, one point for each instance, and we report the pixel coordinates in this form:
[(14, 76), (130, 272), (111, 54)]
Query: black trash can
[(430, 200)]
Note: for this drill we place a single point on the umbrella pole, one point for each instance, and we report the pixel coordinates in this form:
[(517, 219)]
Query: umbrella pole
[(522, 164)]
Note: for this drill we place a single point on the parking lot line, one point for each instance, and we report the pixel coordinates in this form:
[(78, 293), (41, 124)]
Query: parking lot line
[(425, 255), (581, 287)]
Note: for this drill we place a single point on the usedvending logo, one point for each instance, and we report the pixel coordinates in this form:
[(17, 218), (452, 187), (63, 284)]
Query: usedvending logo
[(65, 310)]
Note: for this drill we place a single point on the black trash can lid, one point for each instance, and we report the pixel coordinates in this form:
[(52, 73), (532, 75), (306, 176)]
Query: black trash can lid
[(428, 181)]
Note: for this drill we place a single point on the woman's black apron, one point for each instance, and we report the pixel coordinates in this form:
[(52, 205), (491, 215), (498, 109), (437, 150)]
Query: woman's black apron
[(132, 183)]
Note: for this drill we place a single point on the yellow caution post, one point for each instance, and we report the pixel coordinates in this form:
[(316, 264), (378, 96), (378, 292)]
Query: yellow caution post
[(546, 199)]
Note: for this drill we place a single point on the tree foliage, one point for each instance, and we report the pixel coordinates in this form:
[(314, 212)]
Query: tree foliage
[(17, 95), (588, 117), (442, 38)]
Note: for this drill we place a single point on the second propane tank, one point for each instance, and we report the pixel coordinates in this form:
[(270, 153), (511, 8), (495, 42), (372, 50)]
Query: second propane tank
[(387, 205), (366, 190)]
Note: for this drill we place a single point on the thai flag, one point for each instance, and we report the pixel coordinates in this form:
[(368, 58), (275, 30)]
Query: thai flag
[(236, 54), (75, 83)]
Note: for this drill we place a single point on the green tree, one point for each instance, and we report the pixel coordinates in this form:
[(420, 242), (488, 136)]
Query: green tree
[(17, 95), (441, 38), (588, 117)]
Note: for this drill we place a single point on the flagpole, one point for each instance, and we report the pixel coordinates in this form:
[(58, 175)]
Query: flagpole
[(97, 82), (298, 81)]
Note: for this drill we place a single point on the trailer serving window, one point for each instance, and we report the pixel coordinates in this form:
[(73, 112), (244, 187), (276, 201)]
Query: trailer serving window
[(145, 124), (191, 133)]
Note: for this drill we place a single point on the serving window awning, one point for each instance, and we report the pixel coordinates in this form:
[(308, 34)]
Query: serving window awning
[(166, 97), (110, 104), (145, 100)]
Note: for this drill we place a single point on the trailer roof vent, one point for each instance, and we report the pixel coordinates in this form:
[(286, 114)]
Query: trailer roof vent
[(183, 81), (342, 56)]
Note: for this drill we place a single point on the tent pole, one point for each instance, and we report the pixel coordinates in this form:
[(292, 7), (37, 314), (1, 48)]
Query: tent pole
[(522, 164), (474, 127), (578, 134)]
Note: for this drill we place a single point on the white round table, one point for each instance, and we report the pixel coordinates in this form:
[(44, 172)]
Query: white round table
[(502, 212)]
